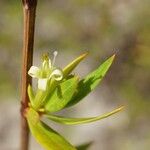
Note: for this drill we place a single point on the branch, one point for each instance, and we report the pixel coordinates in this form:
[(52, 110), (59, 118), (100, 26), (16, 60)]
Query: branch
[(29, 11)]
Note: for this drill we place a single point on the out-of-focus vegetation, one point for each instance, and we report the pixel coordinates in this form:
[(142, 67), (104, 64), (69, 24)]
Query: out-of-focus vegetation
[(102, 27)]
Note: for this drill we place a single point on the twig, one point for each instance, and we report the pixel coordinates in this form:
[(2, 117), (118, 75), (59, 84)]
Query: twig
[(29, 10)]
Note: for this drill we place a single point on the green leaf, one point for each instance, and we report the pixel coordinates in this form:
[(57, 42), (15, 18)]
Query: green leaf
[(45, 136), (87, 84), (31, 94), (68, 69), (75, 121), (62, 95), (84, 146)]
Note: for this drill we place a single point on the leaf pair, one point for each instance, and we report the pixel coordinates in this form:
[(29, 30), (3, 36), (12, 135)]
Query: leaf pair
[(50, 139), (58, 96)]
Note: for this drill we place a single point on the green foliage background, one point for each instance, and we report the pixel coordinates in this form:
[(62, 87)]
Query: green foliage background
[(103, 28)]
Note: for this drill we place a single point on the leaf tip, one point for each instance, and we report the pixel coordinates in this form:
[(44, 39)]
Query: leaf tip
[(120, 108), (113, 57), (84, 54)]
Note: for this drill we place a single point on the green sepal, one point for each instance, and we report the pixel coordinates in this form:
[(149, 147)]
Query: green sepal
[(75, 121), (62, 95), (45, 136), (42, 97), (31, 94), (87, 84), (68, 69), (39, 99)]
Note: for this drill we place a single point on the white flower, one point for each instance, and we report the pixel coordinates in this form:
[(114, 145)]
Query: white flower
[(46, 72), (34, 71), (57, 75)]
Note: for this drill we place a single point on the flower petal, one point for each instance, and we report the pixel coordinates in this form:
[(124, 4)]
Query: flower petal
[(57, 75), (42, 84), (34, 72)]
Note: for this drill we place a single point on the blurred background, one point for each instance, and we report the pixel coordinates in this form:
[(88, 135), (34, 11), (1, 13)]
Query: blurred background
[(72, 27)]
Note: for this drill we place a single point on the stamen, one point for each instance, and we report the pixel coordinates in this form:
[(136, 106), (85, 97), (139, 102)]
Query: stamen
[(45, 56), (55, 53)]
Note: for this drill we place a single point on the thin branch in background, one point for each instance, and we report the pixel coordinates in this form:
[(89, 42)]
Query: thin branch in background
[(29, 11)]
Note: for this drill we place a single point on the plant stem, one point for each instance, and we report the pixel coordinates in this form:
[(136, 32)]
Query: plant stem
[(29, 11)]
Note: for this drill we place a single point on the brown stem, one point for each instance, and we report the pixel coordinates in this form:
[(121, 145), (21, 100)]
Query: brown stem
[(29, 10)]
